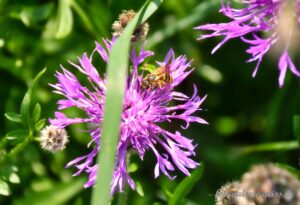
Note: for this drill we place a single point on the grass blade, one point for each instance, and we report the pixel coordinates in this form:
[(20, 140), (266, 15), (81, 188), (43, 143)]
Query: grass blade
[(186, 186), (273, 146), (116, 72)]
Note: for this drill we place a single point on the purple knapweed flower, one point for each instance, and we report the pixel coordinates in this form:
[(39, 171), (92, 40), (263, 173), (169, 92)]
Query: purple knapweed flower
[(278, 20), (143, 111)]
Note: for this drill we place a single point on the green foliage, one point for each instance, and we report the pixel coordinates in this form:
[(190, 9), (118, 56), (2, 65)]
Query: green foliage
[(250, 120), (33, 15), (64, 19), (54, 194), (185, 186), (32, 124)]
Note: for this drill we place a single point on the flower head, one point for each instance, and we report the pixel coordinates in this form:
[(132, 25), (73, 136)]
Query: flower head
[(273, 184), (125, 17), (279, 20), (228, 193), (54, 139), (144, 108)]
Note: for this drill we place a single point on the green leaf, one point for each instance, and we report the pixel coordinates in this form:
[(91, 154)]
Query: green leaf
[(185, 186), (4, 188), (272, 146), (40, 125), (296, 122), (64, 19), (36, 112), (139, 189), (14, 178), (54, 195), (25, 106), (31, 15), (16, 134), (116, 72), (14, 117)]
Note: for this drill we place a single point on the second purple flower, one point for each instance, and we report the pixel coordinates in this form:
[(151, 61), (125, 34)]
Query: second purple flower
[(278, 20)]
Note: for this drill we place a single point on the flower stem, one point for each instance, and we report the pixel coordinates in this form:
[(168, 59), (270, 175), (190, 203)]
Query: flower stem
[(20, 146)]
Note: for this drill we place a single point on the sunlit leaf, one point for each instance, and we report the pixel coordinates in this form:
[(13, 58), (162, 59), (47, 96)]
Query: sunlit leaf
[(272, 146), (36, 112), (40, 124), (4, 188), (14, 178), (14, 117), (16, 134), (186, 186), (64, 19), (139, 188), (132, 167)]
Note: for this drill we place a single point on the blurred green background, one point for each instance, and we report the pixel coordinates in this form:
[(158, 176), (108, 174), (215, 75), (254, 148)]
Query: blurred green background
[(240, 110)]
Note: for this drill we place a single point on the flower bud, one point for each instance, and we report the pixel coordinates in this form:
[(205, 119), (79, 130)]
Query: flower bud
[(54, 139)]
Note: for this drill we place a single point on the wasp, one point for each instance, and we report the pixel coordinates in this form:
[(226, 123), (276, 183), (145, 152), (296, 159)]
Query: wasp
[(158, 78)]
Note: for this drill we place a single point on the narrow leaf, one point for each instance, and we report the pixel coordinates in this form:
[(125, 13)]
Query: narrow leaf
[(25, 107), (186, 186), (116, 72), (139, 189), (16, 134), (14, 117), (39, 125), (36, 112), (64, 19), (272, 146)]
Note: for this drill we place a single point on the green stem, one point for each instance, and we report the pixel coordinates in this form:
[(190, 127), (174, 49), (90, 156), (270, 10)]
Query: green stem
[(275, 146), (20, 146)]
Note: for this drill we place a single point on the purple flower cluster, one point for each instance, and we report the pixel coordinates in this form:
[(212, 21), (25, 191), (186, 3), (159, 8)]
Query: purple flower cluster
[(143, 110), (277, 19)]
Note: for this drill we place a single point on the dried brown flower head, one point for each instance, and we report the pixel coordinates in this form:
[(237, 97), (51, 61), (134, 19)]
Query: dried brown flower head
[(272, 185), (125, 17)]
